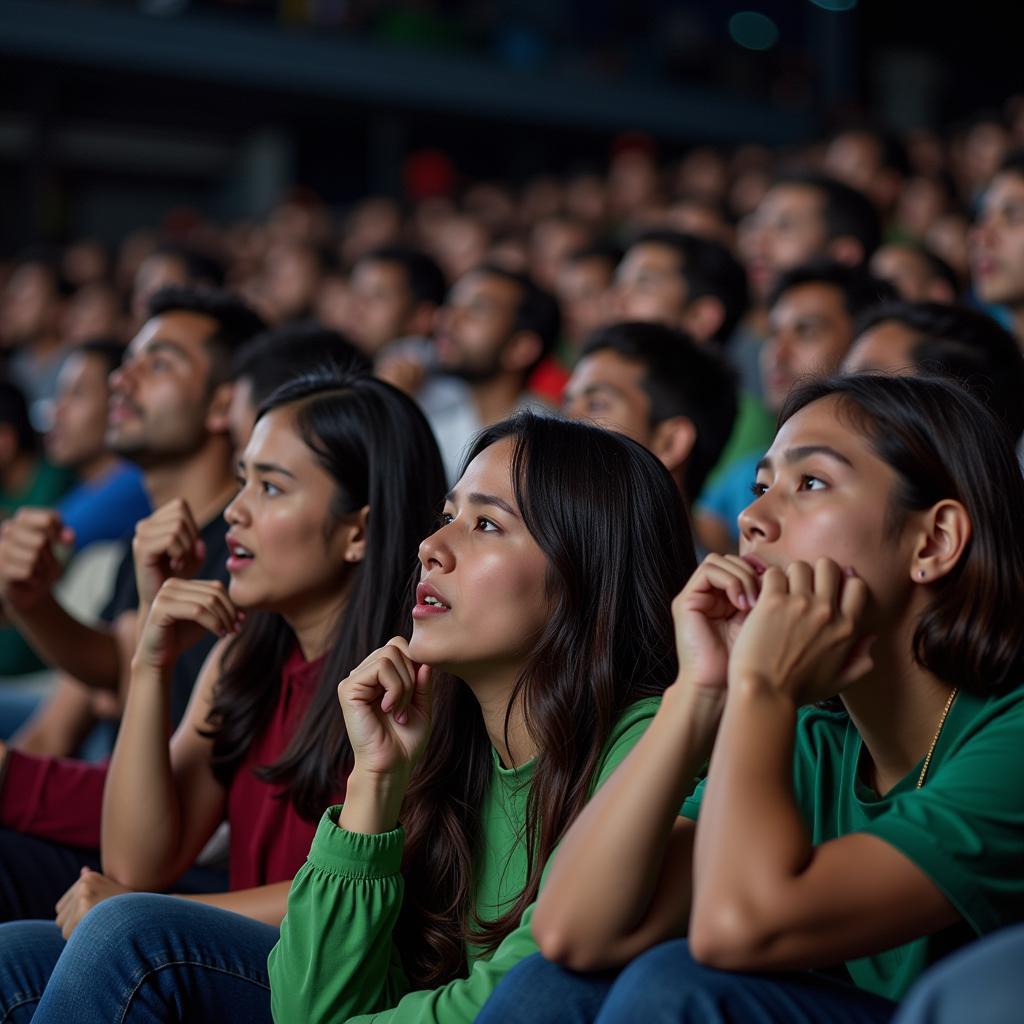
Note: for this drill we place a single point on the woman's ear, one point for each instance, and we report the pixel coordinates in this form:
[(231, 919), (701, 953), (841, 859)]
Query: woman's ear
[(945, 531), (354, 535)]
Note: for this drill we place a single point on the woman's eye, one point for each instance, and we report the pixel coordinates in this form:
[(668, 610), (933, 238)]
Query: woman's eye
[(757, 489), (270, 489), (445, 518), (486, 525), (811, 483)]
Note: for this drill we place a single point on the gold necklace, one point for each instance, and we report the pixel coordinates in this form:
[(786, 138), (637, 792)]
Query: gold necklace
[(935, 738)]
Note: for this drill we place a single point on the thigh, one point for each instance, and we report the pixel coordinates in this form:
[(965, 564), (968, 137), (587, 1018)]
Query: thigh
[(537, 991), (35, 873), (666, 985), (28, 952), (981, 984), (142, 959)]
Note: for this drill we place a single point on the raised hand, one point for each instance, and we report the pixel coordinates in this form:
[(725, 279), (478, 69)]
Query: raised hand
[(708, 614), (181, 613), (805, 635), (90, 888), (166, 544), (386, 701), (29, 565)]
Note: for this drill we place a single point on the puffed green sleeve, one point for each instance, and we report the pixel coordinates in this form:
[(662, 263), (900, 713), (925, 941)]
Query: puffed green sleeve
[(460, 1001), (335, 956)]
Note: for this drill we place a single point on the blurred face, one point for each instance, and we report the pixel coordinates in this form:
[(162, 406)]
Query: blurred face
[(160, 270), (291, 281), (241, 414), (160, 395), (822, 492), (905, 269), (287, 552), (787, 229), (583, 295), (381, 304), (79, 411), (482, 601), (650, 285), (997, 243), (29, 304), (607, 389), (475, 323), (809, 332), (887, 347)]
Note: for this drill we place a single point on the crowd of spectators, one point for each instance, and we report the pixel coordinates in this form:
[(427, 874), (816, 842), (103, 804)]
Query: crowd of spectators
[(680, 303)]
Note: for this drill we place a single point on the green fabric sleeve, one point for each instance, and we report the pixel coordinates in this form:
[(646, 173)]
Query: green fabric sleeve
[(335, 955), (459, 1001)]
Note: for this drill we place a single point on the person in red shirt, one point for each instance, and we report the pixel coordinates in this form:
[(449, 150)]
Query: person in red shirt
[(340, 480)]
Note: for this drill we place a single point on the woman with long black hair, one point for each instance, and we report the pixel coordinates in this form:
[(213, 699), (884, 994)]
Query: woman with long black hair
[(340, 480), (542, 640), (882, 563)]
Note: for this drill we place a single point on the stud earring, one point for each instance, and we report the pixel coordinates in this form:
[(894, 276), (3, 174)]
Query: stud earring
[(921, 574)]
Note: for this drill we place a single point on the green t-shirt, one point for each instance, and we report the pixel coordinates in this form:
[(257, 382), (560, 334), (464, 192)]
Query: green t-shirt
[(964, 828), (336, 961), (752, 433)]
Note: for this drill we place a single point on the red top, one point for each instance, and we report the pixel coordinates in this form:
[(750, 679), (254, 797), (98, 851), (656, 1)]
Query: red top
[(269, 841), (62, 800), (549, 380)]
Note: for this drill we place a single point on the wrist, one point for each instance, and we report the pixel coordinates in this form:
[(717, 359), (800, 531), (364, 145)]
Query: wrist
[(373, 801), (750, 685)]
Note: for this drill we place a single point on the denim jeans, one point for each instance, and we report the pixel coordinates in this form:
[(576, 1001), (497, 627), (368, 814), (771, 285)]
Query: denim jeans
[(981, 984), (138, 959), (666, 985)]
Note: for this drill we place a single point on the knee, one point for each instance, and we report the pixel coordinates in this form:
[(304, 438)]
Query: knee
[(533, 992), (666, 983)]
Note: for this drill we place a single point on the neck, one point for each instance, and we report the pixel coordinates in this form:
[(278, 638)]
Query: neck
[(18, 473), (493, 692), (495, 399), (43, 344), (314, 625), (204, 479), (97, 468), (896, 708)]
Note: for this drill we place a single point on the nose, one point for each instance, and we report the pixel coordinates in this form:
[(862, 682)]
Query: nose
[(435, 551), (237, 510), (759, 522), (119, 376)]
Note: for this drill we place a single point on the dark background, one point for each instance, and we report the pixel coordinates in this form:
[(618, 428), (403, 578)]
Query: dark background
[(113, 113)]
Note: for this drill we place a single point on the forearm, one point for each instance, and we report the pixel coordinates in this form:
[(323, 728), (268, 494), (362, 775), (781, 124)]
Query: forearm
[(141, 806), (336, 957), (266, 903), (751, 842), (605, 874), (372, 802), (87, 653)]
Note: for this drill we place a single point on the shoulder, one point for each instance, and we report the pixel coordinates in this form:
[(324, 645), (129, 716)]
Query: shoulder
[(631, 725)]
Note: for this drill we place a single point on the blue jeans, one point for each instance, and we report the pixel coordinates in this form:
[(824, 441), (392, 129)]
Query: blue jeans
[(666, 985), (981, 984), (138, 959)]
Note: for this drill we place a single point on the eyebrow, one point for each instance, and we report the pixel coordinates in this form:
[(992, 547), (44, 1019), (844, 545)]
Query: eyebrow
[(792, 455), (267, 467), (476, 498), (166, 345), (595, 388)]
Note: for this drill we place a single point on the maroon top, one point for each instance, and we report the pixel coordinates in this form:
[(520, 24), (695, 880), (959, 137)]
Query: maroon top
[(269, 841), (62, 800)]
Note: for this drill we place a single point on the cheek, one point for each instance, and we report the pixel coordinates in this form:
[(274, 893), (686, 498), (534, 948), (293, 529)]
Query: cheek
[(850, 540)]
